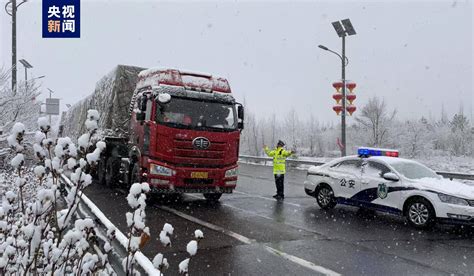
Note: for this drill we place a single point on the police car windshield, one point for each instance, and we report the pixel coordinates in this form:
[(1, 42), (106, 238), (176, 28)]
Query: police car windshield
[(413, 170), (197, 114)]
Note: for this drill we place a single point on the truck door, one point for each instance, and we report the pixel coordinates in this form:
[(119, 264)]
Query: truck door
[(140, 131)]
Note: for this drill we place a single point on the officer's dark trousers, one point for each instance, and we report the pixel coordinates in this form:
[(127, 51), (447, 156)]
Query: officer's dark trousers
[(279, 180)]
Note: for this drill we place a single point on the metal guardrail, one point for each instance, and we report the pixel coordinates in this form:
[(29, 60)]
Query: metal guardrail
[(289, 160), (295, 162)]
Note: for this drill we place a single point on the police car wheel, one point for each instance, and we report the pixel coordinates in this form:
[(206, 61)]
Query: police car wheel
[(325, 197), (420, 213)]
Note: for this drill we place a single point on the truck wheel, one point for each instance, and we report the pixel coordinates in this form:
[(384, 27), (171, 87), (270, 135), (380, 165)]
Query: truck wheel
[(325, 197), (111, 172), (101, 172), (135, 174), (212, 197), (420, 213)]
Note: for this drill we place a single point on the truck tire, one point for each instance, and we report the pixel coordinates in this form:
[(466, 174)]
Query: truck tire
[(212, 197), (135, 174), (111, 172), (101, 172)]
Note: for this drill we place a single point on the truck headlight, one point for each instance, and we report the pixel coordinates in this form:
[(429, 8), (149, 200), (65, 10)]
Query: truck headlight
[(232, 172), (160, 170), (453, 200)]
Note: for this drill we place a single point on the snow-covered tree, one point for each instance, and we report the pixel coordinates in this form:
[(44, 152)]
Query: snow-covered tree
[(376, 118), (14, 104)]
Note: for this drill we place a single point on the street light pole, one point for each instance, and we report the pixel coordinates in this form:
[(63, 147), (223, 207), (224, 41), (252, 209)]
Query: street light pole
[(342, 31), (343, 115)]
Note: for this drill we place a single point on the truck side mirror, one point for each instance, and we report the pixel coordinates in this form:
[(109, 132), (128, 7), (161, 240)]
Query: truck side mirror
[(240, 112), (142, 104), (140, 116), (240, 116)]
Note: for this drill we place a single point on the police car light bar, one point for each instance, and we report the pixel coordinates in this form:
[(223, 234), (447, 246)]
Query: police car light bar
[(366, 152)]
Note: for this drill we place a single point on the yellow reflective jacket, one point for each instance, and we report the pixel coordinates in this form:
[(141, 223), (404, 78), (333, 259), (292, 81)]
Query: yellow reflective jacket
[(279, 159)]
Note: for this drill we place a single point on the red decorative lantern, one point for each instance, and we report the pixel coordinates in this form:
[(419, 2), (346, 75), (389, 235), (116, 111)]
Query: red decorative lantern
[(351, 86), (337, 85), (351, 109), (337, 108), (337, 97), (350, 97)]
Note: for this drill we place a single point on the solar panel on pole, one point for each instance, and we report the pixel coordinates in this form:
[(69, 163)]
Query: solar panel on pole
[(348, 26), (339, 29)]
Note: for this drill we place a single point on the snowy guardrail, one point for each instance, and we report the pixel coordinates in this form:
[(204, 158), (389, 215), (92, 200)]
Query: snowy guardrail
[(295, 162)]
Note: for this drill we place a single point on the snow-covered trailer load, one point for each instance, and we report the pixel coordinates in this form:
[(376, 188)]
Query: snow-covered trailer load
[(176, 130), (111, 98)]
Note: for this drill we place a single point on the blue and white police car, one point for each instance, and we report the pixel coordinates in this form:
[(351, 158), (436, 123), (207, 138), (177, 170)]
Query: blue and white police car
[(377, 179)]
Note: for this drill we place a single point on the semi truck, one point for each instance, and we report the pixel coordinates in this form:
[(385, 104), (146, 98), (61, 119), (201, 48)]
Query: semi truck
[(177, 130)]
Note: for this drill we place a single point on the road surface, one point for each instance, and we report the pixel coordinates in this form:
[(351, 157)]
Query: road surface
[(249, 233)]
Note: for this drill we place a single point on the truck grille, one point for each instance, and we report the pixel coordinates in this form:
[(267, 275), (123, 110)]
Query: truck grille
[(192, 181), (213, 155)]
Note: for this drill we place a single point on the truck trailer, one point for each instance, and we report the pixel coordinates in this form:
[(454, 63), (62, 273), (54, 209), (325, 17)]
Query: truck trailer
[(179, 131)]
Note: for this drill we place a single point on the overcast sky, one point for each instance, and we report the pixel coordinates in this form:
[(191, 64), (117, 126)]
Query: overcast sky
[(417, 55)]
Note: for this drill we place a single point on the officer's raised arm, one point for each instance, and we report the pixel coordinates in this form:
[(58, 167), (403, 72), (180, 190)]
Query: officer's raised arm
[(269, 152)]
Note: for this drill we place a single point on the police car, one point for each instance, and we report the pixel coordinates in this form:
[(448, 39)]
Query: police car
[(377, 179)]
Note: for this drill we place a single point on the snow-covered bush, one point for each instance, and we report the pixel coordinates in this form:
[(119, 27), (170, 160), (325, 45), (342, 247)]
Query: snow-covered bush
[(36, 236), (139, 234)]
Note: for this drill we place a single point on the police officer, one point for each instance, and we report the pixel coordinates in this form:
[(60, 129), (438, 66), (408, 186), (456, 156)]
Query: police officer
[(279, 155)]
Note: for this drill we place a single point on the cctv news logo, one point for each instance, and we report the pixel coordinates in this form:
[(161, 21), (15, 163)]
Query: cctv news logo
[(61, 19)]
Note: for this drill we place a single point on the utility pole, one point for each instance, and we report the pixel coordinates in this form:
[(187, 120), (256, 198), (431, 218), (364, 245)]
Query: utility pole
[(14, 8), (11, 8)]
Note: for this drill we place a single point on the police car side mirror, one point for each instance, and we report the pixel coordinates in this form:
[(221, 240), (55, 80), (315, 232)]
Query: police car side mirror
[(391, 177)]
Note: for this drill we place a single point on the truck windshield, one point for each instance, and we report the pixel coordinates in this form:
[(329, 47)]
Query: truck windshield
[(197, 114)]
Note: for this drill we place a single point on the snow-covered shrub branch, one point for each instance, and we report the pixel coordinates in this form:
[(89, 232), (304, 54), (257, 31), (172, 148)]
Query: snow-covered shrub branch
[(36, 236), (139, 234)]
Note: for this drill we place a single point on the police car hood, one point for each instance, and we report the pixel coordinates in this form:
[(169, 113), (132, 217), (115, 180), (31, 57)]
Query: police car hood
[(445, 186)]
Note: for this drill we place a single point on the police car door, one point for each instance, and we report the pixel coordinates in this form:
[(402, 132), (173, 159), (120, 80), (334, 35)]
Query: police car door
[(376, 189), (346, 175)]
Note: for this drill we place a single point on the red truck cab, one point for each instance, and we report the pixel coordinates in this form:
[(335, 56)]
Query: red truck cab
[(184, 133)]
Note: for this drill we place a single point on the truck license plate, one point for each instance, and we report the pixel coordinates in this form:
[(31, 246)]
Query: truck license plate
[(199, 175)]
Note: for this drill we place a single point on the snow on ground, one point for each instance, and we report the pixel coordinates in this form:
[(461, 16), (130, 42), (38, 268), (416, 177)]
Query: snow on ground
[(449, 163)]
